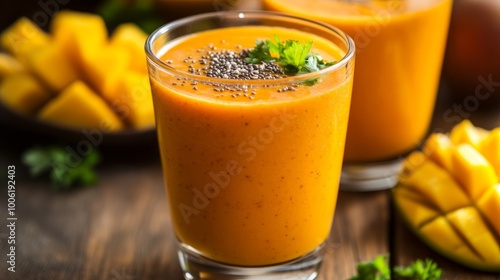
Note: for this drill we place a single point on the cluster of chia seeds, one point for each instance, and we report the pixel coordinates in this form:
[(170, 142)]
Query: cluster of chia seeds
[(227, 64), (231, 65)]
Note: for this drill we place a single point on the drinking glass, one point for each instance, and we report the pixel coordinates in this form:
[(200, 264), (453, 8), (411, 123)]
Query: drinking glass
[(399, 52), (251, 166)]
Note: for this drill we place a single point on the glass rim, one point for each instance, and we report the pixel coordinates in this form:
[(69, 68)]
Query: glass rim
[(163, 65)]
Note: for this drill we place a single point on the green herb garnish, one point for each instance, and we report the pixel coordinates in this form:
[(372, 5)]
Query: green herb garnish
[(378, 269), (292, 55), (419, 270), (65, 168)]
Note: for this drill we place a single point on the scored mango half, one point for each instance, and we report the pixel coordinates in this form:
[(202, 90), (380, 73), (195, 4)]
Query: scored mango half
[(449, 195)]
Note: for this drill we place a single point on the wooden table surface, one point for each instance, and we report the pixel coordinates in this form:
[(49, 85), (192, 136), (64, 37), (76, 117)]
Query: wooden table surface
[(120, 228)]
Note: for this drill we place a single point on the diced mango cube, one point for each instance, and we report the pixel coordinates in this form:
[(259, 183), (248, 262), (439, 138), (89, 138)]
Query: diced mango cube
[(466, 133), (411, 163), (473, 171), (54, 68), (104, 67), (23, 37), (132, 98), (438, 148), (23, 93), (416, 212), (489, 205), (9, 65), (490, 149), (438, 186), (409, 193), (440, 232), (469, 223), (132, 38), (79, 107), (79, 34)]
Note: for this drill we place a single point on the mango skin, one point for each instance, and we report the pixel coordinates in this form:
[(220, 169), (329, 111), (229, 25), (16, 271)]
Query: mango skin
[(449, 195)]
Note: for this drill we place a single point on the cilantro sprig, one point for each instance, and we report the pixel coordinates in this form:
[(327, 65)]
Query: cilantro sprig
[(293, 56), (63, 173), (378, 269)]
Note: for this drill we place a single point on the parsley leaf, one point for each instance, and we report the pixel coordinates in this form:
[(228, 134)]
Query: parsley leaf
[(260, 53), (378, 269), (64, 173), (419, 270), (293, 56)]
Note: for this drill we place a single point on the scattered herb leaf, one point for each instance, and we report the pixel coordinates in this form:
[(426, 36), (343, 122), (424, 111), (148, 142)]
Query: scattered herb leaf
[(419, 270), (378, 269), (293, 56), (65, 170)]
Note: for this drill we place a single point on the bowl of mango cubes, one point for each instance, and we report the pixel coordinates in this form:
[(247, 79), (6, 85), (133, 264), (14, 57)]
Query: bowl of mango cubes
[(77, 78)]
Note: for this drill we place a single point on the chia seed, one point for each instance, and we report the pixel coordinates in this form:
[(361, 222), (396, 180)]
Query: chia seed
[(232, 65), (228, 64)]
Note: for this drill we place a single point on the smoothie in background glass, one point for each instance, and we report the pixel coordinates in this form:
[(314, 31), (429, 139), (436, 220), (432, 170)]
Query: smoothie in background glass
[(399, 51), (252, 166)]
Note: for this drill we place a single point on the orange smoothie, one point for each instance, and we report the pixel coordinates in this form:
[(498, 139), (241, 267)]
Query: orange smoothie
[(251, 173), (399, 51)]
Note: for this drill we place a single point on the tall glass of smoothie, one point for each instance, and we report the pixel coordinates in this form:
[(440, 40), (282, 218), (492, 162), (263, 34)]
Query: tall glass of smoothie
[(399, 52), (251, 150)]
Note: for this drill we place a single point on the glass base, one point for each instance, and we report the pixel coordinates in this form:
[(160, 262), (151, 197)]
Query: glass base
[(370, 176), (197, 267)]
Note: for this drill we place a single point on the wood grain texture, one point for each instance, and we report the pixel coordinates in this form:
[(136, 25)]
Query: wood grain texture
[(359, 233)]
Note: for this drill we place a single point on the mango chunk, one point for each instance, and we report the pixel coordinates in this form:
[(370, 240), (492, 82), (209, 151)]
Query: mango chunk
[(489, 205), (50, 63), (438, 148), (23, 93), (79, 107), (473, 171), (439, 231), (9, 65), (490, 149), (466, 133), (79, 34), (441, 235), (22, 38), (416, 212), (103, 68), (132, 98), (130, 37), (469, 223), (438, 186)]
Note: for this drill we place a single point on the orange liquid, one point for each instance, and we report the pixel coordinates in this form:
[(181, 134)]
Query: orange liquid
[(400, 46), (251, 181)]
